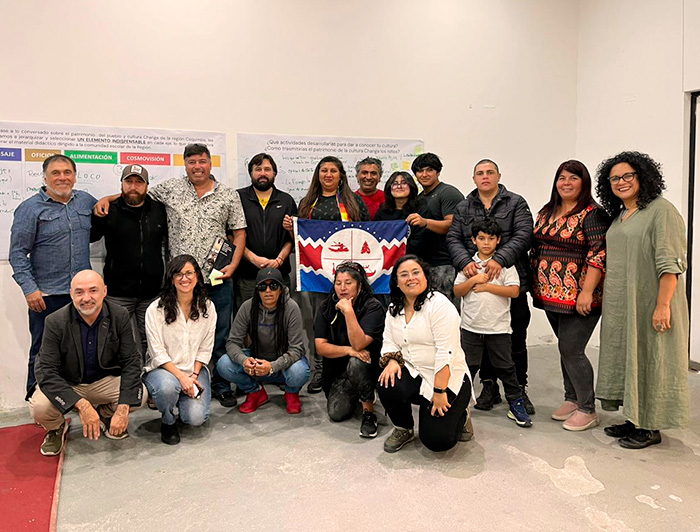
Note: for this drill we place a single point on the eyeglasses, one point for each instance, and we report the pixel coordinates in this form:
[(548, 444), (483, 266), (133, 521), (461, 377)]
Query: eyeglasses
[(399, 184), (262, 287), (626, 178), (179, 275)]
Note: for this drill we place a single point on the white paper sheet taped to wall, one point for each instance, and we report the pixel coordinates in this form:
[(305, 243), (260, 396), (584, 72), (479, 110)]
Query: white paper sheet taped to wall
[(296, 156), (100, 154)]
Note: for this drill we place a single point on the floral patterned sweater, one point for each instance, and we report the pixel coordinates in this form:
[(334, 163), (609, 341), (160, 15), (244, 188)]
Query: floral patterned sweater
[(563, 251)]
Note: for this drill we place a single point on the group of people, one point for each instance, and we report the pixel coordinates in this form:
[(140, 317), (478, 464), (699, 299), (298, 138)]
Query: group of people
[(458, 304)]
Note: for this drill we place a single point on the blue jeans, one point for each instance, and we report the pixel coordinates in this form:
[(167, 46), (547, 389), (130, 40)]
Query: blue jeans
[(222, 297), (165, 390), (36, 329), (293, 378)]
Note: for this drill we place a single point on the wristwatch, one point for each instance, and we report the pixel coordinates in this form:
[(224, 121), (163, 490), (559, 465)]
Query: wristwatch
[(439, 390)]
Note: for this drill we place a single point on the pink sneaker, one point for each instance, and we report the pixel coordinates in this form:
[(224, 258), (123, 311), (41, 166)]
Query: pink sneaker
[(293, 403), (581, 421), (565, 411), (253, 401)]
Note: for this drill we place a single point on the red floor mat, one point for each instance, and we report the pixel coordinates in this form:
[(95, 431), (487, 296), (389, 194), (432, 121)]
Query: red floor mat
[(29, 481)]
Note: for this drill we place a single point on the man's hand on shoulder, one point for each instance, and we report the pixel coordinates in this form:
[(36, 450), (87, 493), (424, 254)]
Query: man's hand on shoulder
[(493, 269), (101, 208)]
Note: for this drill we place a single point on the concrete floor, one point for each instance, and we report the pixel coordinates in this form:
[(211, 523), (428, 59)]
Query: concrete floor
[(272, 471)]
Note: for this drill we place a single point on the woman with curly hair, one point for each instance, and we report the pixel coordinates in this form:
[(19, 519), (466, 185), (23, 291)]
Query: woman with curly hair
[(568, 261), (180, 328), (644, 330), (423, 362), (348, 332), (329, 198)]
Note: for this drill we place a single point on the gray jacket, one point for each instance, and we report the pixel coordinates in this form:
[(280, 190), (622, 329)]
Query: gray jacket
[(237, 340)]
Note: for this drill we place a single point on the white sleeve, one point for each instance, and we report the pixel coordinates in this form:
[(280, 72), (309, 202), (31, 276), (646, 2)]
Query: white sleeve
[(510, 276), (444, 324), (460, 278), (155, 322), (206, 346), (388, 343)]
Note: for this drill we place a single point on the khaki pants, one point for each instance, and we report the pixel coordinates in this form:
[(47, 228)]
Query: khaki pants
[(102, 394)]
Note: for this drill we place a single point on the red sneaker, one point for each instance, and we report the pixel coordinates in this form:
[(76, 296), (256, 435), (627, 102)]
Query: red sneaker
[(253, 401), (293, 403)]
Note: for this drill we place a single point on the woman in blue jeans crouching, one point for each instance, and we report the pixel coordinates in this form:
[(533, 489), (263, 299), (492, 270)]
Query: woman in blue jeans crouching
[(180, 327)]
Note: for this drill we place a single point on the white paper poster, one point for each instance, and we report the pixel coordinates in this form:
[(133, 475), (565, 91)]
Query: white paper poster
[(100, 154), (297, 156)]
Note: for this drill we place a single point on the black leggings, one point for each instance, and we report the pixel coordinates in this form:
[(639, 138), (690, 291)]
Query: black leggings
[(438, 433)]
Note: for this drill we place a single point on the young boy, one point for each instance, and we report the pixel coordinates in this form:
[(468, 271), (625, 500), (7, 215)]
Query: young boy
[(486, 316)]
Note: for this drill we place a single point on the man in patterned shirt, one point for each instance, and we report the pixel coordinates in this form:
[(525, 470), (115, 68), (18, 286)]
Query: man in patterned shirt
[(200, 209)]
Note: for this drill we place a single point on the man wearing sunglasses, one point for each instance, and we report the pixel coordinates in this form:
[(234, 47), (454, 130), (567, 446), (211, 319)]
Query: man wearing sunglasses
[(275, 354)]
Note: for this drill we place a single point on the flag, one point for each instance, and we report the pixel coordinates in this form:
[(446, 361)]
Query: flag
[(323, 245)]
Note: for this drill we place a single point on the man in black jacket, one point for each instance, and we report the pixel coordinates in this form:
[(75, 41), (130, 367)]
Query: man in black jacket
[(88, 361), (512, 213), (268, 244), (135, 232)]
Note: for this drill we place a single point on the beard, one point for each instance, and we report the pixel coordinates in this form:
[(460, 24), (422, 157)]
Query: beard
[(134, 198), (263, 184)]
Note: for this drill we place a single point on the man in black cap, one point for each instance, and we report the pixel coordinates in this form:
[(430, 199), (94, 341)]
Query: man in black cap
[(135, 232)]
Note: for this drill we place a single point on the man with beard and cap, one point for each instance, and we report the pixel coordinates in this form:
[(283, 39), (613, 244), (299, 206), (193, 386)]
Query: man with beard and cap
[(201, 210), (135, 232), (268, 244)]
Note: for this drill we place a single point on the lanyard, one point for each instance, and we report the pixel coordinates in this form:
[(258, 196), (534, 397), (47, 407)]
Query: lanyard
[(341, 208)]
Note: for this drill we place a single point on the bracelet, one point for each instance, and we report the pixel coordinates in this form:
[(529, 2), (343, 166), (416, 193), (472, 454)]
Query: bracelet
[(439, 390), (197, 374), (386, 357)]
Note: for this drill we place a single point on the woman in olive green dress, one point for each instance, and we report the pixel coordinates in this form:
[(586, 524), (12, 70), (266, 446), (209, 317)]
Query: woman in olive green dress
[(643, 364)]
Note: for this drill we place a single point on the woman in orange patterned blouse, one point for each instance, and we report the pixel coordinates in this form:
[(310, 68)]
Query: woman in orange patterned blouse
[(568, 259)]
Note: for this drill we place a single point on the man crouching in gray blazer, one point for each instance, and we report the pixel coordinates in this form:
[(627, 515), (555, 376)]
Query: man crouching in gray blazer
[(88, 361)]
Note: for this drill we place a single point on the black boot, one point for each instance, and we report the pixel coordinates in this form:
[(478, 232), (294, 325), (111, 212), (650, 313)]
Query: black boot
[(169, 433), (489, 395)]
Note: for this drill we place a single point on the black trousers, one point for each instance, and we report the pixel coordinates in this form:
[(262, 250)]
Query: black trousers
[(519, 322), (437, 433), (357, 383), (498, 352)]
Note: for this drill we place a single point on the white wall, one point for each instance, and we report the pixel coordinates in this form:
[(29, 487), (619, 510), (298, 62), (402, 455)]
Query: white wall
[(490, 78), (691, 45), (636, 59), (630, 85)]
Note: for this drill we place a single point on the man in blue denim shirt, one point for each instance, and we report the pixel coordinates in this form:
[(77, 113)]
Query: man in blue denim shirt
[(49, 244)]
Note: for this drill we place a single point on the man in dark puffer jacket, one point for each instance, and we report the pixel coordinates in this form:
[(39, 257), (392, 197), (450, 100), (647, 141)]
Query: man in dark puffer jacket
[(512, 213)]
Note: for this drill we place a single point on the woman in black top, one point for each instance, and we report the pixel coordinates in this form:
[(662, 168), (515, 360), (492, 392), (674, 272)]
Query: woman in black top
[(348, 331), (400, 197), (329, 198)]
